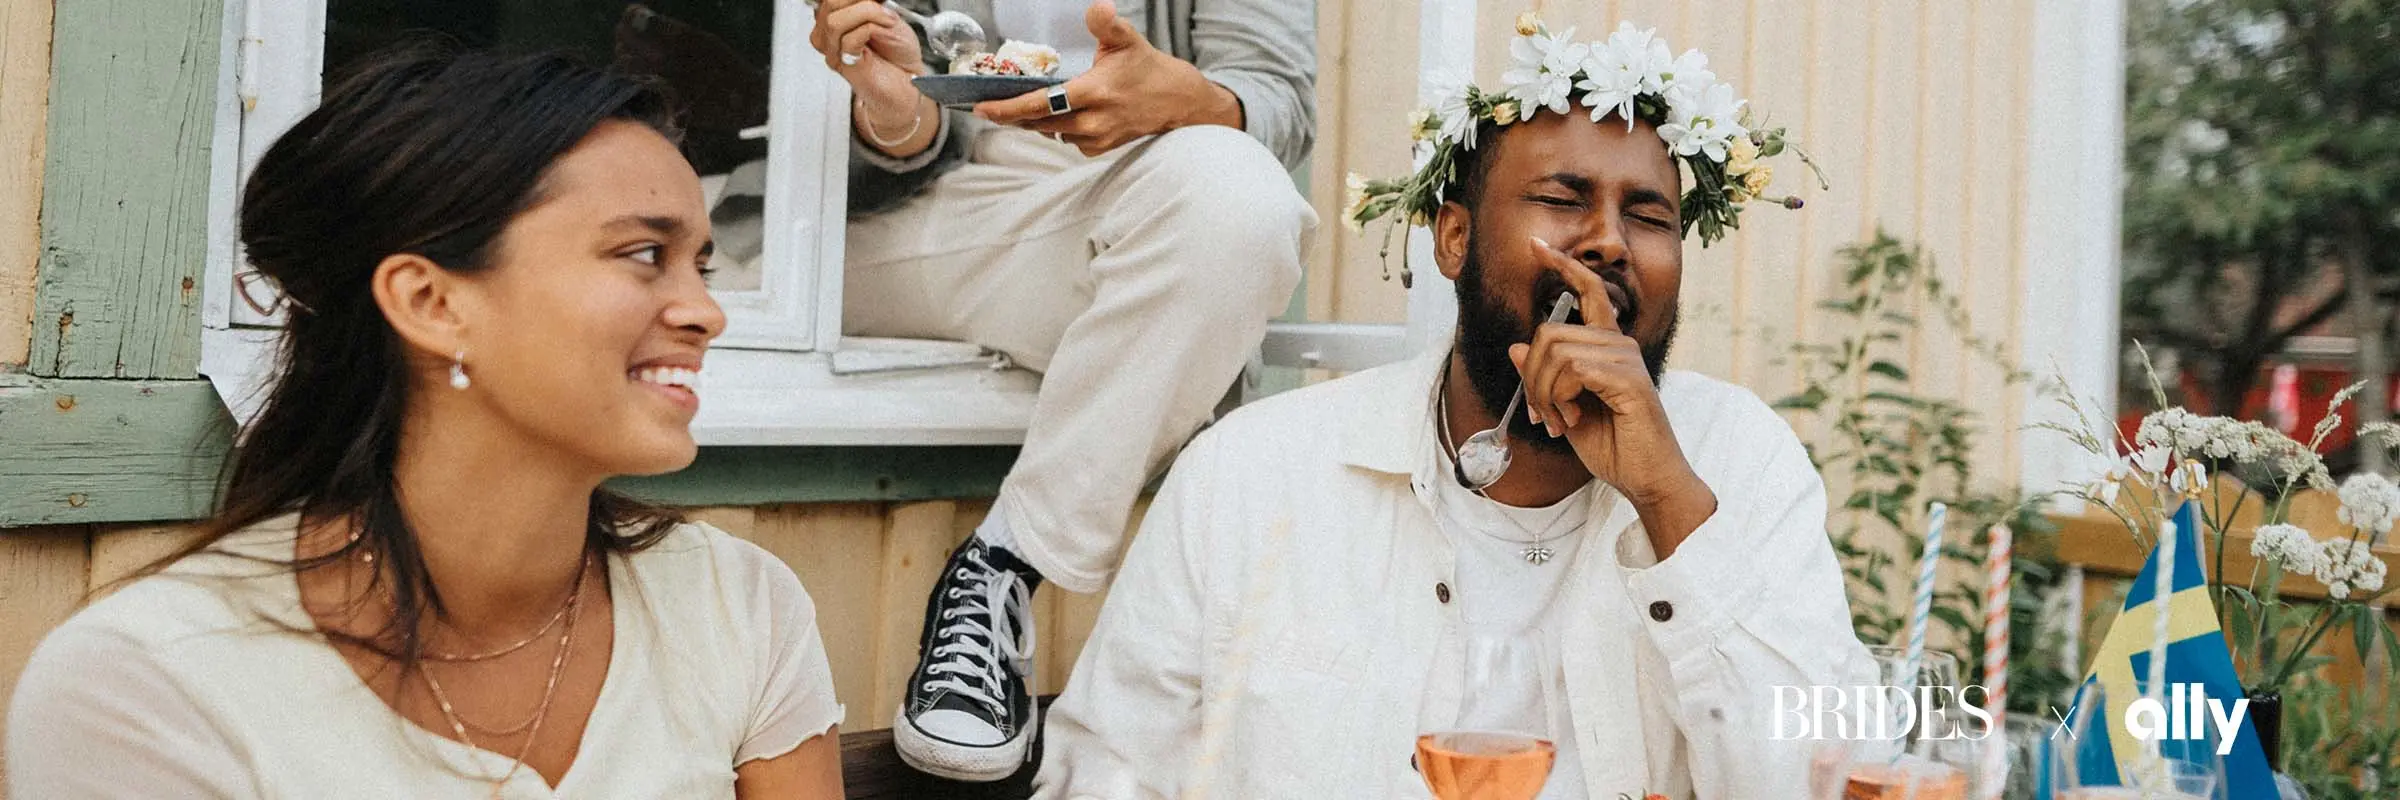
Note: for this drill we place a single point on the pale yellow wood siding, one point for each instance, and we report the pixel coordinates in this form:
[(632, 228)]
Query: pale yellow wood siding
[(24, 103)]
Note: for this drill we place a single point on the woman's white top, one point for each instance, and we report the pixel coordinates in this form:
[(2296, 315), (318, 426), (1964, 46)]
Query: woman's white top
[(210, 681)]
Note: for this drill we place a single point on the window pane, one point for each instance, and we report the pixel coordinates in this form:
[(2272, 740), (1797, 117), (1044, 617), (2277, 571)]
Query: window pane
[(711, 54)]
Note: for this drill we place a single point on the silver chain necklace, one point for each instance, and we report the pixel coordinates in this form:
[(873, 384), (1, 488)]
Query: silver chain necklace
[(1537, 552)]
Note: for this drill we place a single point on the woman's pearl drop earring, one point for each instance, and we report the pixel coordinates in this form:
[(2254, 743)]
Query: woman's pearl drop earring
[(458, 370)]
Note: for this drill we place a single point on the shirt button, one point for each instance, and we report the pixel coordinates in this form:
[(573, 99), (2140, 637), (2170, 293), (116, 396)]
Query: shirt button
[(1662, 611), (1441, 591)]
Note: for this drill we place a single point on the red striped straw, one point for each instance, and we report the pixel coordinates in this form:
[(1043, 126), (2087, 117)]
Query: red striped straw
[(1995, 660)]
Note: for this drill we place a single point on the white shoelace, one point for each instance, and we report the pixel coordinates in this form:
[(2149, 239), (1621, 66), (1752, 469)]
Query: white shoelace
[(1002, 619)]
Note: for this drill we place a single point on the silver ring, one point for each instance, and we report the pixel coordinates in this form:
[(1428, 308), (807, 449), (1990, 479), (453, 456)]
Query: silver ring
[(1058, 100), (849, 59)]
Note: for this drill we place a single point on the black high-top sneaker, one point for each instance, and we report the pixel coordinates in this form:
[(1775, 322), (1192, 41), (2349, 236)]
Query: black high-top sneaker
[(970, 715)]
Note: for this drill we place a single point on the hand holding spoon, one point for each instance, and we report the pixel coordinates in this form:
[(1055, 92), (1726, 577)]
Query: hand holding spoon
[(952, 34), (1484, 457)]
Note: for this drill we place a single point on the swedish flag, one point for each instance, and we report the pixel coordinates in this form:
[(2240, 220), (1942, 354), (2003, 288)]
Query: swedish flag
[(2196, 653)]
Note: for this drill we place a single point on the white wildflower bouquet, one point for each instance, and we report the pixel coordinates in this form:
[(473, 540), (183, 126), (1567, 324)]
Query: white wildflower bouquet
[(2170, 460), (1633, 75)]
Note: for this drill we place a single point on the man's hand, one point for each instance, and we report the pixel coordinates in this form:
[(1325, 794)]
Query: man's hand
[(1133, 90), (1589, 382), (877, 53)]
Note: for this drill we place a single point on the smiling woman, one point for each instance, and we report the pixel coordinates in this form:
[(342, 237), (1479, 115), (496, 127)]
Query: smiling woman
[(416, 584)]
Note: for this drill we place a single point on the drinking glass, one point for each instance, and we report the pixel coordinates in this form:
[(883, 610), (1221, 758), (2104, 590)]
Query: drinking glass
[(2185, 768), (1496, 744), (1911, 749)]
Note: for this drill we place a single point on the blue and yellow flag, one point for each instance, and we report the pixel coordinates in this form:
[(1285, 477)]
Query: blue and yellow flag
[(2196, 654)]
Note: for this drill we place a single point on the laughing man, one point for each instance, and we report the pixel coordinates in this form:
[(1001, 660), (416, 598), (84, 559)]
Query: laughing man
[(1317, 571)]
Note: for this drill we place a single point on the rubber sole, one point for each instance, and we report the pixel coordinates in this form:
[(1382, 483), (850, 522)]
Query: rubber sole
[(962, 762)]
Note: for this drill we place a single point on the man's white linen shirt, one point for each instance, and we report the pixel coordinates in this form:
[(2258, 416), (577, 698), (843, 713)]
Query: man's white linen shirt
[(1277, 623)]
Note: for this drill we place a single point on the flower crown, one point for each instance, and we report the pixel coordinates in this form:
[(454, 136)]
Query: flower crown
[(1630, 74)]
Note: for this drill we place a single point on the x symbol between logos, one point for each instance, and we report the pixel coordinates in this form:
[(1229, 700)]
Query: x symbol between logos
[(2062, 725)]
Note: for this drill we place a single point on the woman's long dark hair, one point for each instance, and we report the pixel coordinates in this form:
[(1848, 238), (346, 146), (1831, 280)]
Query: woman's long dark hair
[(422, 149)]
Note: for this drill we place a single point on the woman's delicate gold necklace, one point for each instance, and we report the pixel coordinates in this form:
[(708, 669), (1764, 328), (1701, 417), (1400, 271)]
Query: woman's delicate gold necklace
[(558, 667), (453, 658)]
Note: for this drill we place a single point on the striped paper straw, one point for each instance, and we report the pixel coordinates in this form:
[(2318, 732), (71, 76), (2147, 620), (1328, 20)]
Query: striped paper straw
[(1923, 614), (1995, 661)]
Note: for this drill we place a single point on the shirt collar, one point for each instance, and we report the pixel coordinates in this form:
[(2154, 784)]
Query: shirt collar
[(1395, 416)]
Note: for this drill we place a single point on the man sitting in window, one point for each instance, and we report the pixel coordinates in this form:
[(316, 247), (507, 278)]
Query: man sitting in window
[(1127, 235), (1332, 572)]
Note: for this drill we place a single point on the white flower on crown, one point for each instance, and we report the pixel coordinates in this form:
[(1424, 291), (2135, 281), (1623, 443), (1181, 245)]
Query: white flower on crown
[(1687, 78), (1354, 200), (1454, 115), (2288, 546), (1645, 53), (1703, 126), (1543, 75), (1621, 69)]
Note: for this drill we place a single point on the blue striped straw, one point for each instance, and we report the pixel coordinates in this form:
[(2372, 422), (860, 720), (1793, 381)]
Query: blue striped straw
[(1923, 614), (2163, 598)]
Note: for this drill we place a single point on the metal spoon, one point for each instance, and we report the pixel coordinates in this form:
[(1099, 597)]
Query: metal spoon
[(1484, 457), (952, 34)]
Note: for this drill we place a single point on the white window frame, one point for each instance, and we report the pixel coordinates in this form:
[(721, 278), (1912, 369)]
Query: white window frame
[(781, 375)]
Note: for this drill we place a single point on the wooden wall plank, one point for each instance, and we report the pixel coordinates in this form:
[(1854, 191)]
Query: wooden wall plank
[(1940, 214), (1990, 150), (1838, 110), (1713, 313), (2020, 152), (741, 521), (109, 451), (1326, 165), (917, 542), (1377, 89), (837, 550), (119, 550), (43, 577), (24, 116), (1772, 255), (125, 193)]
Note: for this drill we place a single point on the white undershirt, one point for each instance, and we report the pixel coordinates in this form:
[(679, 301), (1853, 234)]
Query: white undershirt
[(1499, 593), (1057, 23)]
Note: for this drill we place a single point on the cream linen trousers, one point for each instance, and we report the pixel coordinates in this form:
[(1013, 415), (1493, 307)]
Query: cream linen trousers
[(1138, 283)]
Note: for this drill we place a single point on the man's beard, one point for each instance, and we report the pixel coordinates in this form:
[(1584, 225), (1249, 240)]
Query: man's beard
[(1486, 329)]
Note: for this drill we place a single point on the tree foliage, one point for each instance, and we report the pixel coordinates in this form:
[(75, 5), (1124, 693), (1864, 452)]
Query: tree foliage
[(2262, 155)]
